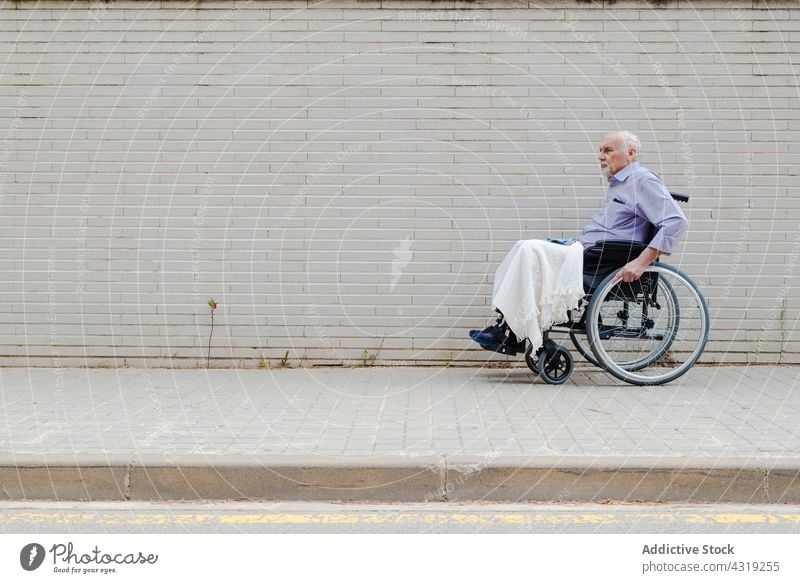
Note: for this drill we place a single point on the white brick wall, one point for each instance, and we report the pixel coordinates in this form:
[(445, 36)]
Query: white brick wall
[(346, 176)]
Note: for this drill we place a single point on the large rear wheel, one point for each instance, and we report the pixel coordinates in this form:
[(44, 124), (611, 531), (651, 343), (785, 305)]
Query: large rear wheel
[(651, 331)]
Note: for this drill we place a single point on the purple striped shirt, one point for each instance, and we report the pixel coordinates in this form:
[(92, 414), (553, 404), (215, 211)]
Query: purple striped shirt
[(637, 199)]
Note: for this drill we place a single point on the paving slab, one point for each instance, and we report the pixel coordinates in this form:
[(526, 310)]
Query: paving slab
[(397, 433)]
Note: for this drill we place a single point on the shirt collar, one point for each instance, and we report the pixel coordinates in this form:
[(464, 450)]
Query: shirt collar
[(623, 174)]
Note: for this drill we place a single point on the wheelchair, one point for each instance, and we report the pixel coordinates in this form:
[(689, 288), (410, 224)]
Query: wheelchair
[(647, 332)]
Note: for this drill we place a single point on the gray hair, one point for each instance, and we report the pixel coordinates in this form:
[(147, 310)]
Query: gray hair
[(630, 141)]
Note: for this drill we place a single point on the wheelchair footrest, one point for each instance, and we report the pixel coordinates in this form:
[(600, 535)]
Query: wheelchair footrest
[(511, 348)]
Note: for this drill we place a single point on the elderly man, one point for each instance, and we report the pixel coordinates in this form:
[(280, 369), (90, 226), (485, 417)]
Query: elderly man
[(637, 202)]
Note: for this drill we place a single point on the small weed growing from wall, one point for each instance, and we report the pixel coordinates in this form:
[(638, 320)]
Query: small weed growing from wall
[(212, 303)]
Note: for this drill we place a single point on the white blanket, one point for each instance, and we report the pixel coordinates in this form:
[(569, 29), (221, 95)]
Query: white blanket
[(536, 284)]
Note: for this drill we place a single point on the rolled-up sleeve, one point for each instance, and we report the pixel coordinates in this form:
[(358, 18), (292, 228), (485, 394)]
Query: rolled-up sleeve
[(654, 201)]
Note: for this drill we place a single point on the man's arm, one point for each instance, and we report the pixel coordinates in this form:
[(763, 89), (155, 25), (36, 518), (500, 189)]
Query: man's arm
[(633, 270), (654, 202)]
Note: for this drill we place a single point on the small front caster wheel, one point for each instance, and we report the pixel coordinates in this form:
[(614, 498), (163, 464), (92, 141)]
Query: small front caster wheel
[(554, 366)]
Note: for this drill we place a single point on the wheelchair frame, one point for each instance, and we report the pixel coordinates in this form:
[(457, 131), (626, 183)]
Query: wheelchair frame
[(554, 362)]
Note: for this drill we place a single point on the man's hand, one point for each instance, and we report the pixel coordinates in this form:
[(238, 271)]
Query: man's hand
[(633, 270), (630, 271)]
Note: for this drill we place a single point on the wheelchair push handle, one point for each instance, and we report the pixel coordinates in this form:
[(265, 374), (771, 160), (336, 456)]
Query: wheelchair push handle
[(680, 196)]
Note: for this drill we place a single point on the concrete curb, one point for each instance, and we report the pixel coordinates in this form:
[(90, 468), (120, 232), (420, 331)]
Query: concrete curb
[(400, 478)]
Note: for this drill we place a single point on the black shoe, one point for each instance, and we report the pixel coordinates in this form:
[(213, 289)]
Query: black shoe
[(491, 338), (488, 329), (495, 339), (500, 326)]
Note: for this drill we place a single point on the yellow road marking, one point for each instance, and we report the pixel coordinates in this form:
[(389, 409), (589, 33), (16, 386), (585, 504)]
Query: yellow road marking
[(462, 518)]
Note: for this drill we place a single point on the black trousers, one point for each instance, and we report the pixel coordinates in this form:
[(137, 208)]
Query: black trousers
[(598, 262)]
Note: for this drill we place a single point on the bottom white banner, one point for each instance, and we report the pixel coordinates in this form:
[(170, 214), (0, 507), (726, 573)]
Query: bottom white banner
[(352, 558)]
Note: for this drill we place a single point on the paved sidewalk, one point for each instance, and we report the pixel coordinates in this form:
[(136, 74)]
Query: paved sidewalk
[(460, 425)]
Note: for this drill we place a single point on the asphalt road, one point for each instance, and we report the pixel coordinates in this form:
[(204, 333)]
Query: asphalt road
[(313, 517)]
